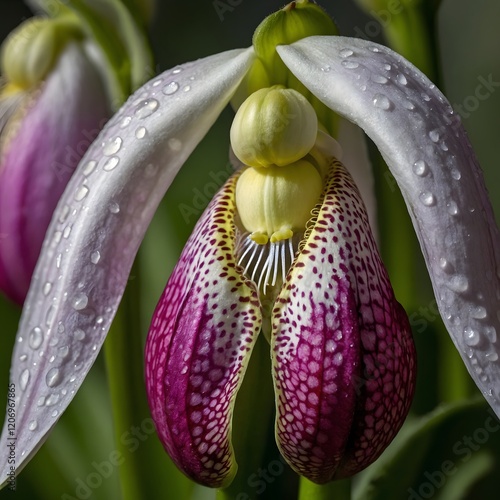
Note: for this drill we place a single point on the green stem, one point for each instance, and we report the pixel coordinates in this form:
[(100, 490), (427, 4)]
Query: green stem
[(336, 490)]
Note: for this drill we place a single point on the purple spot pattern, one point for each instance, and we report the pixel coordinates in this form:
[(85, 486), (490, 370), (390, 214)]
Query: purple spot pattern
[(200, 340), (343, 355)]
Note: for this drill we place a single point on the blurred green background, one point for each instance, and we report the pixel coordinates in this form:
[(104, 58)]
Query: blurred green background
[(469, 49)]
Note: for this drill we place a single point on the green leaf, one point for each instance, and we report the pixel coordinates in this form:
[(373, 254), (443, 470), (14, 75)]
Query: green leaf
[(446, 451)]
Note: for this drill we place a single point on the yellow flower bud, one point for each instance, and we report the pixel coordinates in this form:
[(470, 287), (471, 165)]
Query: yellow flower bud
[(274, 126), (275, 202)]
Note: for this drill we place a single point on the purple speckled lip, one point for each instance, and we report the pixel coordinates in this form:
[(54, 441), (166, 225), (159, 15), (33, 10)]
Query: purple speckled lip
[(342, 352)]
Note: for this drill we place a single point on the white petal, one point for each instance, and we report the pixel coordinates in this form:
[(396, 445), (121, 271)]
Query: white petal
[(430, 156), (96, 231)]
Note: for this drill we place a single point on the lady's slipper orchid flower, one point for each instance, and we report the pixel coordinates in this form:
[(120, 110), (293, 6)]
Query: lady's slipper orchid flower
[(110, 200), (53, 103)]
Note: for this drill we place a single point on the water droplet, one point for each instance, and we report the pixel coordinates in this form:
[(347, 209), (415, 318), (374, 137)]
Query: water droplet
[(471, 336), (23, 357), (452, 208), (171, 88), (33, 425), (187, 88), (434, 135), (47, 288), (456, 174), (64, 214), (111, 164), (492, 356), (53, 341), (176, 71), (57, 237), (125, 121), (382, 102), (445, 265), (50, 315), (52, 400), (350, 64), (326, 69), (458, 283), (67, 231), (89, 167), (55, 413), (114, 208), (491, 333), (402, 79), (140, 133), (41, 401), (157, 82), (53, 377), (374, 49), (79, 334), (362, 88), (95, 257), (174, 144), (379, 79), (408, 105), (24, 379), (99, 320), (80, 302), (428, 199), (479, 312), (425, 97), (63, 351), (444, 146), (81, 192), (420, 168), (146, 108), (112, 146), (35, 338), (346, 53)]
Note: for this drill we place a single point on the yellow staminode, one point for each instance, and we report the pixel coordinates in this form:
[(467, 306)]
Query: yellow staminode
[(275, 202), (274, 126)]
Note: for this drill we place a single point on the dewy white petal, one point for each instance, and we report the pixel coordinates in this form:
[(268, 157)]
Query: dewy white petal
[(431, 159), (96, 231)]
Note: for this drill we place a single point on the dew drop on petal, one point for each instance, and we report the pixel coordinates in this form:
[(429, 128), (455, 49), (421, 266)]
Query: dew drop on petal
[(67, 231), (381, 101), (434, 135), (458, 283), (81, 193), (41, 401), (452, 208), (374, 49), (146, 108), (112, 146), (33, 425), (95, 257), (471, 336), (379, 79), (187, 88), (47, 288), (427, 199), (114, 208), (157, 82), (80, 302), (171, 88), (79, 334), (53, 377), (174, 144), (350, 64), (408, 105), (176, 71), (402, 79), (111, 164), (456, 174), (89, 167), (346, 53), (63, 351), (55, 413), (24, 379), (125, 121), (479, 312), (140, 133), (35, 338), (420, 168), (50, 314)]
